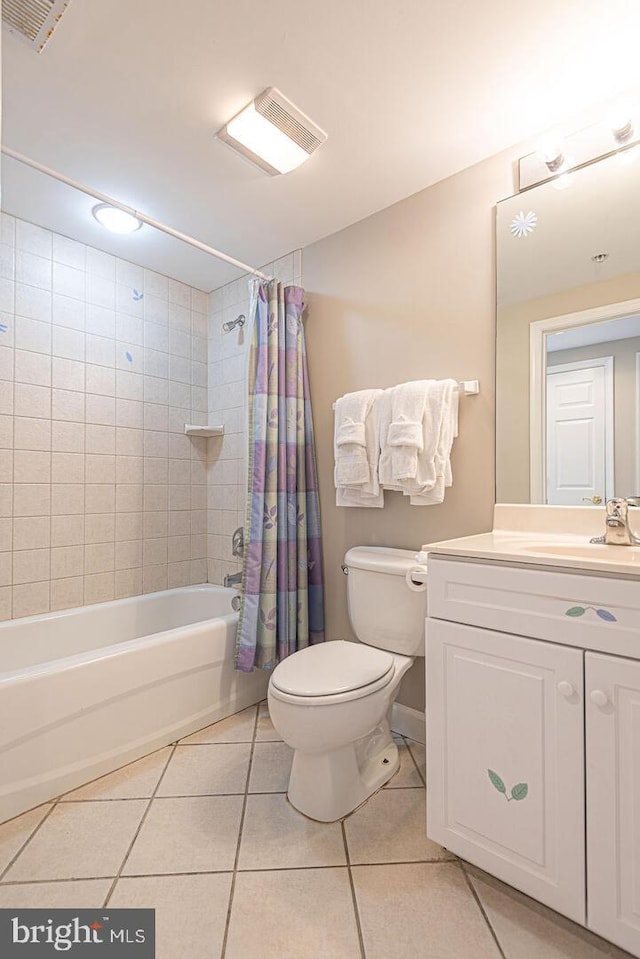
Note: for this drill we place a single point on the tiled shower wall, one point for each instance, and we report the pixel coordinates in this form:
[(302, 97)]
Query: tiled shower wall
[(226, 456), (102, 495)]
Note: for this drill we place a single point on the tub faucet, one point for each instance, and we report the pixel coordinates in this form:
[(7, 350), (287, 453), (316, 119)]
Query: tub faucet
[(233, 580), (617, 530)]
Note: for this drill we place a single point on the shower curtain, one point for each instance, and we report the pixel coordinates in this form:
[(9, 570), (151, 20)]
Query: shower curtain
[(283, 596)]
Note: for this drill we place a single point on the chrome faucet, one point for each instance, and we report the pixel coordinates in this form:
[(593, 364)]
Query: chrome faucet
[(617, 529), (233, 580)]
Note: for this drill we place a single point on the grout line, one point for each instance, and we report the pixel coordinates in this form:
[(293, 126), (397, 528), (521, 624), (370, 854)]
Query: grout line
[(3, 872), (415, 761), (475, 895), (353, 891), (140, 825), (220, 872), (242, 816)]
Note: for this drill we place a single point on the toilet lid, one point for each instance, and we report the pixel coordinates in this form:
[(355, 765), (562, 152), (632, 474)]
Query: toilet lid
[(331, 668)]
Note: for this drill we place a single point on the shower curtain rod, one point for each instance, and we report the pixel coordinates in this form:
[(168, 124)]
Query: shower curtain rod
[(191, 241)]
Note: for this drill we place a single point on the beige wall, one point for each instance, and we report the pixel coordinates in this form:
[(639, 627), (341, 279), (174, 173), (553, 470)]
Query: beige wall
[(512, 426), (406, 294)]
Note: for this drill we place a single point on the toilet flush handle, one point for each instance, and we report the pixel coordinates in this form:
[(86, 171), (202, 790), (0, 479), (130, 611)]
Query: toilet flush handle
[(345, 569)]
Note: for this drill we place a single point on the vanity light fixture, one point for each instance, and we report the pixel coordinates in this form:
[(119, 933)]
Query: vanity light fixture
[(552, 155), (116, 220), (619, 134), (273, 133)]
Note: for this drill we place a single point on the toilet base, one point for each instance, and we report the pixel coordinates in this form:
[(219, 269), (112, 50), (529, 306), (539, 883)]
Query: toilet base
[(328, 786)]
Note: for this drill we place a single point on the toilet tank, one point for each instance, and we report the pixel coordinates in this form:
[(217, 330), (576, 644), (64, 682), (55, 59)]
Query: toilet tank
[(384, 610)]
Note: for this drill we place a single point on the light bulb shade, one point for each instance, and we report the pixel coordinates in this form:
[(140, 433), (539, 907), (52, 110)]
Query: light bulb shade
[(551, 154), (116, 220), (273, 133)]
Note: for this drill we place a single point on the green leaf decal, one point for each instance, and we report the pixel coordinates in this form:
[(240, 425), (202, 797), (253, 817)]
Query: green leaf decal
[(575, 611), (497, 782), (520, 791)]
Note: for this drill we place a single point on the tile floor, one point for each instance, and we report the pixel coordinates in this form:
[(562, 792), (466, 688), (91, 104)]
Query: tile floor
[(202, 832)]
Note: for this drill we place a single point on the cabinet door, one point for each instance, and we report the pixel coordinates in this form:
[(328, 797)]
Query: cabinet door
[(505, 758), (612, 704)]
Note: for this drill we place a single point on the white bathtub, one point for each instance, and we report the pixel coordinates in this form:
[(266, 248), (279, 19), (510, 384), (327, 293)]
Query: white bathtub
[(87, 690)]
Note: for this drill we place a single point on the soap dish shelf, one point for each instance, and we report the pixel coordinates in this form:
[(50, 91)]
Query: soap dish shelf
[(206, 431)]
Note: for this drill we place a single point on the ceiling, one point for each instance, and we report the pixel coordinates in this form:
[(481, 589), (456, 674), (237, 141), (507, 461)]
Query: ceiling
[(126, 98), (624, 329)]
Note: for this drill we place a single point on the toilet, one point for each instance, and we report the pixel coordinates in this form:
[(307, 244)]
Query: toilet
[(332, 702)]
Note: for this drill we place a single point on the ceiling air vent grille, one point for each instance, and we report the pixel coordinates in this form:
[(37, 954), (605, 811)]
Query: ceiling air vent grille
[(283, 114), (33, 20)]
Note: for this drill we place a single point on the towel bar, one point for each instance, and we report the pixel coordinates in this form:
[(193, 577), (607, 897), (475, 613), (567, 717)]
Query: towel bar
[(466, 387)]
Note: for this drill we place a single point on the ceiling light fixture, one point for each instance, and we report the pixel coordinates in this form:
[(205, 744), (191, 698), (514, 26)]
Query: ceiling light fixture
[(273, 133), (115, 219)]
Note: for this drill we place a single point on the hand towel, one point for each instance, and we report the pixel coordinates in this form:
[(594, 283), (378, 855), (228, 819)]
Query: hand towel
[(405, 435), (351, 460), (367, 493)]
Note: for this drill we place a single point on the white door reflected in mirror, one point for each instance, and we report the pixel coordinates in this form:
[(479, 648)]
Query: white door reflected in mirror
[(579, 432)]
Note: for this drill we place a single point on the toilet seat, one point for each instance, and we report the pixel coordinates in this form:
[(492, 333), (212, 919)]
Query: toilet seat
[(332, 672)]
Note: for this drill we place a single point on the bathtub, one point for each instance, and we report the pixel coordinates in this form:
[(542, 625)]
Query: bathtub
[(85, 691)]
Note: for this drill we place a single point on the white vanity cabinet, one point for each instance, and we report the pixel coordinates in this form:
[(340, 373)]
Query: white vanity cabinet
[(612, 693), (531, 693)]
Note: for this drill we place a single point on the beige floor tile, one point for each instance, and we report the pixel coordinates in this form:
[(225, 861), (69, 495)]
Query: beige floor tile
[(191, 911), (135, 781), (390, 827), (207, 770), (528, 930), (296, 914), (265, 730), (14, 834), (419, 751), (75, 894), (196, 834), (407, 775), (85, 840), (236, 729), (270, 768), (420, 910), (275, 836)]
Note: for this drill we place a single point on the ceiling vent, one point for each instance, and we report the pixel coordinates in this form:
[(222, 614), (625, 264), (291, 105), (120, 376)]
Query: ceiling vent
[(33, 20), (273, 133)]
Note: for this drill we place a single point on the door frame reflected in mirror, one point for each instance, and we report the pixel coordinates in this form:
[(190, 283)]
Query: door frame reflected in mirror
[(538, 332)]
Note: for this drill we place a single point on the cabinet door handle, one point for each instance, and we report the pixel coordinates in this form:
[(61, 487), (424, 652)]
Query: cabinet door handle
[(599, 698), (565, 689)]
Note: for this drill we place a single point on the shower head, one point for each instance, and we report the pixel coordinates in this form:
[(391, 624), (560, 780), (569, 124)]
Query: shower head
[(231, 324)]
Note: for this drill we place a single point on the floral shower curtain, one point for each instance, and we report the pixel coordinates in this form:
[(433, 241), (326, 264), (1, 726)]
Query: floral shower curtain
[(283, 595)]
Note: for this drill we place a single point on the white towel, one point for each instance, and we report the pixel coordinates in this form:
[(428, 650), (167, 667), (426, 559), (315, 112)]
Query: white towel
[(349, 433), (430, 496), (405, 435), (385, 471), (351, 461)]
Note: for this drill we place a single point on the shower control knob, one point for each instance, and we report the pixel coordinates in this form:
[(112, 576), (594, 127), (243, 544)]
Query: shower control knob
[(565, 689), (599, 698)]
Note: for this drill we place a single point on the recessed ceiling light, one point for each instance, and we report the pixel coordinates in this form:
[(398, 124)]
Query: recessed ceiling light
[(116, 220), (273, 133)]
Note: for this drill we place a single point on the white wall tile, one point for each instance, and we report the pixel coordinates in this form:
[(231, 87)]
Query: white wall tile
[(30, 599), (69, 252), (32, 238), (33, 368), (110, 361), (32, 335)]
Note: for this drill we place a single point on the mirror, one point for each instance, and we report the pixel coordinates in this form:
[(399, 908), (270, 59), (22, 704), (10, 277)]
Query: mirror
[(568, 337)]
